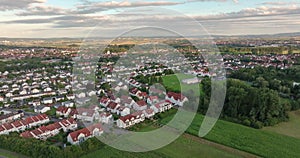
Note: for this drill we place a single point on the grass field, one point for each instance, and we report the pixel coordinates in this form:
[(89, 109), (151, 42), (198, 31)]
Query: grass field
[(258, 142), (186, 146), (290, 128), (173, 83)]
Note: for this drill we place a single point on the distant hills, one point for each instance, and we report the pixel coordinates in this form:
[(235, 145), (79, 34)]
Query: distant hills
[(279, 35)]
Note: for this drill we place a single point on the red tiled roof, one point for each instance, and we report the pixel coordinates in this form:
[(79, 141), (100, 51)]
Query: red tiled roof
[(112, 105), (7, 126), (153, 98), (141, 103), (17, 124), (127, 117), (176, 96), (62, 109), (85, 131), (26, 134), (104, 100)]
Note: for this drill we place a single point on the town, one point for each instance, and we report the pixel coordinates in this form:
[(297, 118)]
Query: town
[(41, 97)]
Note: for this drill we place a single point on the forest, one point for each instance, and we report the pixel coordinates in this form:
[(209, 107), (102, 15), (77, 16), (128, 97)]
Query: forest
[(257, 97)]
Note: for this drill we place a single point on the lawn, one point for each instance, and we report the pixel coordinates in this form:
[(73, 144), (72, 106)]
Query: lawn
[(173, 83), (290, 128)]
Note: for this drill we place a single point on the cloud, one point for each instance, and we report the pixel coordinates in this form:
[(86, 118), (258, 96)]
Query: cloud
[(188, 1), (20, 4), (279, 3), (262, 19), (93, 7), (42, 10)]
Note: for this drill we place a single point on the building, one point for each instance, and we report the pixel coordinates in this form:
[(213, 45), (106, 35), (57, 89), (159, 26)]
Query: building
[(82, 135), (42, 109), (176, 98), (22, 125), (140, 105), (130, 120), (51, 130), (63, 111), (106, 118), (11, 117)]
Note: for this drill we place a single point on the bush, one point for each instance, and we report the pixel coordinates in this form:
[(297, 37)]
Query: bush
[(258, 125)]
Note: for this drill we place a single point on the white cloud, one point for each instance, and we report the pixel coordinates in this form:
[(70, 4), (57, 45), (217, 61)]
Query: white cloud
[(20, 4)]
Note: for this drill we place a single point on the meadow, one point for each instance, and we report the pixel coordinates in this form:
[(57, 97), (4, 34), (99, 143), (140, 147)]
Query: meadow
[(290, 128)]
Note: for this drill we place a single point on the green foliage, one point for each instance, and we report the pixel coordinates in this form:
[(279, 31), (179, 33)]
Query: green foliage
[(43, 149)]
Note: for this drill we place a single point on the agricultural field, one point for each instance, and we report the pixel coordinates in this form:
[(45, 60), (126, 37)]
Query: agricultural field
[(258, 142), (290, 128)]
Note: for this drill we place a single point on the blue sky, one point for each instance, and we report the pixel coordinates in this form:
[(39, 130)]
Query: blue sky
[(74, 18)]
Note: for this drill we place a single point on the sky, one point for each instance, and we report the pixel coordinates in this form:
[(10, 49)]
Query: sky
[(82, 18)]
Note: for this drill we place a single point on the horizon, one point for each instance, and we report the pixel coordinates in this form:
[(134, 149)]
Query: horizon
[(287, 34)]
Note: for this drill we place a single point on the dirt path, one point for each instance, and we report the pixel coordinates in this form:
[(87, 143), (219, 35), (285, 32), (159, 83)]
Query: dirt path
[(221, 147)]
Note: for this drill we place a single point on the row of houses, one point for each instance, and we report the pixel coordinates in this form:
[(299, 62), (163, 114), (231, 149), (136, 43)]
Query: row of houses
[(51, 130), (85, 114), (22, 125), (10, 117)]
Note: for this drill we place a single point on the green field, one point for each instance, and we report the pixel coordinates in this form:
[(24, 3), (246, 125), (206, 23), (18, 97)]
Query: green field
[(173, 83), (255, 141), (290, 128), (258, 142), (188, 147)]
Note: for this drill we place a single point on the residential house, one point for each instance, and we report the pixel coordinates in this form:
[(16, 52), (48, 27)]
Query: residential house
[(127, 101), (130, 120), (68, 104), (152, 100), (112, 107), (149, 113), (104, 101), (123, 110), (48, 100), (42, 109), (82, 135), (106, 117), (176, 98), (86, 114), (63, 111), (140, 105)]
